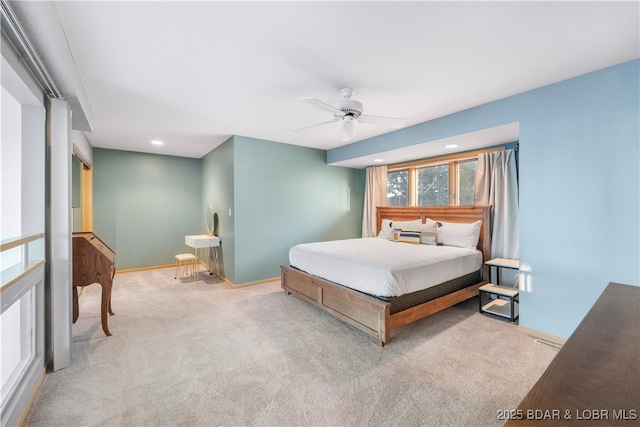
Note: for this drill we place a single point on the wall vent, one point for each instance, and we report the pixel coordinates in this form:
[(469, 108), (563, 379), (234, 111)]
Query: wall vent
[(548, 343)]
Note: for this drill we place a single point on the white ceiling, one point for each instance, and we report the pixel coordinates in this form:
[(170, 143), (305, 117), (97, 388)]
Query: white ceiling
[(194, 73)]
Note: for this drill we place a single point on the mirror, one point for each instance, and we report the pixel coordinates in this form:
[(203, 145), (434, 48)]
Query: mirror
[(209, 215)]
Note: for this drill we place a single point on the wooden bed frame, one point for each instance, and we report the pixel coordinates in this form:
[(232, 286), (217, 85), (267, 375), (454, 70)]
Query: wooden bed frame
[(373, 315)]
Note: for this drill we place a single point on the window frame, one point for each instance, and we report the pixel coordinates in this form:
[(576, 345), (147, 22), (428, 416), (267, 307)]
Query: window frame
[(452, 161)]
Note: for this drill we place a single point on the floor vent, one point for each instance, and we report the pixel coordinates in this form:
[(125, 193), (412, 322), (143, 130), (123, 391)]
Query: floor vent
[(548, 343)]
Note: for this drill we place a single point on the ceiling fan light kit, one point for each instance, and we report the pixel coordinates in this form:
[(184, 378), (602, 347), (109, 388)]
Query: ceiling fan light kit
[(347, 111)]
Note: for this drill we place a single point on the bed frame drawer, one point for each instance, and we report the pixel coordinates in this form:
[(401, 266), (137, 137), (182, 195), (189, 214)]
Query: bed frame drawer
[(302, 285), (362, 312)]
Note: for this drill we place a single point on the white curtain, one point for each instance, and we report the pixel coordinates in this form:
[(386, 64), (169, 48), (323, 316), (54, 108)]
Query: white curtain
[(375, 194), (497, 185)]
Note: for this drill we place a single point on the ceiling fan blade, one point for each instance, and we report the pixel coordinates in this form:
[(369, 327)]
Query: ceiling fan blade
[(321, 104), (392, 122), (314, 125), (347, 131)]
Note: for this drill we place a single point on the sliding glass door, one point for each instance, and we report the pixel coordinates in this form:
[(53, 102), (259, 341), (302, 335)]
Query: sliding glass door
[(22, 248)]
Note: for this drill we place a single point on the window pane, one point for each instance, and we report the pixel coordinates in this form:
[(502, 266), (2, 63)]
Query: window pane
[(18, 341), (466, 182), (433, 186), (398, 188)]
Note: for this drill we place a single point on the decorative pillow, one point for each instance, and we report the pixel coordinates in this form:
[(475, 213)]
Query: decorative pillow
[(407, 236), (429, 221), (428, 233), (463, 235), (386, 229)]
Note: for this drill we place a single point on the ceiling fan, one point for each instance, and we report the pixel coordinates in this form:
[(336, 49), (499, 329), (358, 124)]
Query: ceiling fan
[(347, 111)]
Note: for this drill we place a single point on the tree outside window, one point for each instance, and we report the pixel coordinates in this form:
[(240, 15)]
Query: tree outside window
[(466, 182), (433, 186), (398, 188)]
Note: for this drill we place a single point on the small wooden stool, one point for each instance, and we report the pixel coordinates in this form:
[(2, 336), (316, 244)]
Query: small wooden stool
[(186, 264)]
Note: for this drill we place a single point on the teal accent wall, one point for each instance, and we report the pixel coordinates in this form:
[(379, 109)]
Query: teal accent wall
[(285, 195), (144, 205), (279, 195), (579, 170), (266, 196), (218, 192)]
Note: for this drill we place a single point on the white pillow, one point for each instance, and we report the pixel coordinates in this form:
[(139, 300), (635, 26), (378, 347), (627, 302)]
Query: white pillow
[(463, 235), (386, 229)]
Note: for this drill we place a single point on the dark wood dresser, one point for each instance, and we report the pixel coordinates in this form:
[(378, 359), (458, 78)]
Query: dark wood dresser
[(594, 380)]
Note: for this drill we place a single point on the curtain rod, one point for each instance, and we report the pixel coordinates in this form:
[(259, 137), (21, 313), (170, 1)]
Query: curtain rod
[(26, 52)]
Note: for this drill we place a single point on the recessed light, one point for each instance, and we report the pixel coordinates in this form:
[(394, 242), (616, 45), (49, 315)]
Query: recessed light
[(378, 160), (451, 146), (157, 142)]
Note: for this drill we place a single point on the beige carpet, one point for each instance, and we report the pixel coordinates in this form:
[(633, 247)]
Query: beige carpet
[(200, 354)]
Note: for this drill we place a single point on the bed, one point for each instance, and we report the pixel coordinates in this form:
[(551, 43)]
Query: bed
[(377, 315)]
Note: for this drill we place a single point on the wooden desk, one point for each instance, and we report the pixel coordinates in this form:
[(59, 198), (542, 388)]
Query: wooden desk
[(594, 380), (93, 262)]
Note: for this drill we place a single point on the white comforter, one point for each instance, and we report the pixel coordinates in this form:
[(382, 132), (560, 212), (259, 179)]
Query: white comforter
[(384, 268)]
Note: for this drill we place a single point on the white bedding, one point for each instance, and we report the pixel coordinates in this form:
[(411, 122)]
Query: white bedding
[(382, 267)]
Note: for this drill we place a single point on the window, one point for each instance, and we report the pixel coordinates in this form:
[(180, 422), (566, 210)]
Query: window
[(445, 181), (433, 186), (466, 182), (398, 188)]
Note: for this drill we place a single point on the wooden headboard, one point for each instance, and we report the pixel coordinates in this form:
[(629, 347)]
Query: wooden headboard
[(463, 214)]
